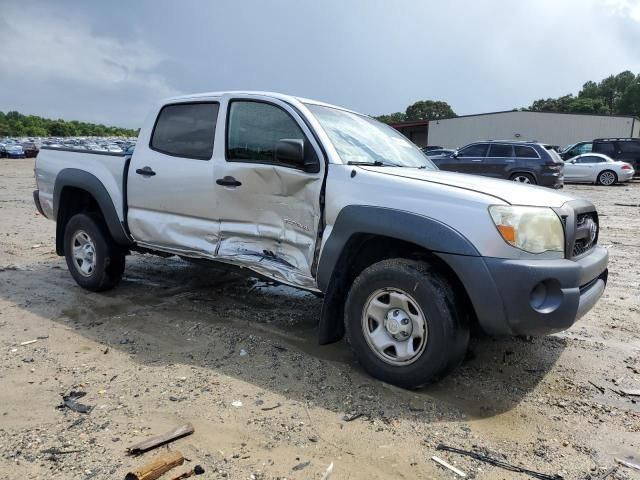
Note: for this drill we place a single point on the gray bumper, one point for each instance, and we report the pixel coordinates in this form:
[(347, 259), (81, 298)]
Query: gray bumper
[(531, 297)]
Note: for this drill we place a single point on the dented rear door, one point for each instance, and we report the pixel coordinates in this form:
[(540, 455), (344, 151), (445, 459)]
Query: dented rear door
[(269, 213)]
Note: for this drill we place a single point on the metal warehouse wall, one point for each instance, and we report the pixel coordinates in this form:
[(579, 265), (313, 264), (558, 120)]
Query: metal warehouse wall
[(552, 128)]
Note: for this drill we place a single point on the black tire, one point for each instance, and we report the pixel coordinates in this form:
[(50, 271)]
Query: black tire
[(446, 321), (525, 178), (109, 262), (604, 178)]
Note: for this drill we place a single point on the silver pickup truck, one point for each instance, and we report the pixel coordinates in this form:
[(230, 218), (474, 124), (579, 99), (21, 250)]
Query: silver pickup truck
[(407, 257)]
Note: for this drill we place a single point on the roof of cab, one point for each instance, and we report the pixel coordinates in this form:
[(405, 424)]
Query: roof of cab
[(279, 96)]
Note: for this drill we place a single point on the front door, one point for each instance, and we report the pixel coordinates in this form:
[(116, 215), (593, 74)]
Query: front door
[(171, 183), (582, 169), (470, 159), (269, 211)]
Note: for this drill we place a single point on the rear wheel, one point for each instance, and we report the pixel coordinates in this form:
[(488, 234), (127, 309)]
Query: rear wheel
[(523, 178), (607, 178), (405, 324), (94, 260)]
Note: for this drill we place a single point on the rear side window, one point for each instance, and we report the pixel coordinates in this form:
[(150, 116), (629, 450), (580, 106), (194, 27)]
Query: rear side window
[(186, 130), (606, 148), (629, 147), (477, 150), (500, 150), (523, 151)]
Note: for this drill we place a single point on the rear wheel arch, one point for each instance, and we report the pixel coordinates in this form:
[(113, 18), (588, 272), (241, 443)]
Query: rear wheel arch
[(77, 191)]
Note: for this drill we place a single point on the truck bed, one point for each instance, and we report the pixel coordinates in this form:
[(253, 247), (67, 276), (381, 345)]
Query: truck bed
[(108, 167)]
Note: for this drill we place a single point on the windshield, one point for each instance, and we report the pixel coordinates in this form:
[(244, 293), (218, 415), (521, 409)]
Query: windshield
[(360, 139)]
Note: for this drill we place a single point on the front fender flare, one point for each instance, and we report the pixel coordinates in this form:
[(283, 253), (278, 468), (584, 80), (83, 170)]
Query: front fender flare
[(428, 233)]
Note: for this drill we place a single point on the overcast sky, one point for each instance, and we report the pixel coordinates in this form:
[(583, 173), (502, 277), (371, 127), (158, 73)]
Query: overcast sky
[(107, 61)]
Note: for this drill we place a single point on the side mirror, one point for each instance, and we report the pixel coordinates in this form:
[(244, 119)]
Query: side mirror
[(291, 152), (455, 154)]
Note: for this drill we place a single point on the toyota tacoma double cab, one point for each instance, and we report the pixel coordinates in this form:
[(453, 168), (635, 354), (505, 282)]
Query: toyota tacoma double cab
[(408, 258)]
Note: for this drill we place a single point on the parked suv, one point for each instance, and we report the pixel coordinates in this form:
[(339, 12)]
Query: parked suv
[(524, 162), (621, 149)]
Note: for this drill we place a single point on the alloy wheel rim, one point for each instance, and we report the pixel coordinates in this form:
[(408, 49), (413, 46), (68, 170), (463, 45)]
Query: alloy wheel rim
[(607, 178), (522, 179), (84, 253), (394, 326)]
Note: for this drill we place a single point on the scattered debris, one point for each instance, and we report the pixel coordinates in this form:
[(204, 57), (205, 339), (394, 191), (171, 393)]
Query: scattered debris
[(632, 393), (328, 472), (601, 389), (57, 451), (627, 464), (637, 205), (37, 245), (197, 470), (266, 409), (159, 440), (455, 470), (351, 418), (28, 342), (301, 466), (155, 469), (607, 473), (71, 402), (106, 350), (279, 347), (498, 463), (236, 403), (243, 352)]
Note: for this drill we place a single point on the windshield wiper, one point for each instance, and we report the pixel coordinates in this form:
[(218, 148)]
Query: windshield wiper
[(375, 163)]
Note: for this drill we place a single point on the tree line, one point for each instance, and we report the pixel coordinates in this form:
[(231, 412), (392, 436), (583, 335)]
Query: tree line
[(14, 124), (614, 95)]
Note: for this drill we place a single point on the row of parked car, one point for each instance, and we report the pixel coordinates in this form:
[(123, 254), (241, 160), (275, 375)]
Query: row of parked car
[(29, 147), (604, 161)]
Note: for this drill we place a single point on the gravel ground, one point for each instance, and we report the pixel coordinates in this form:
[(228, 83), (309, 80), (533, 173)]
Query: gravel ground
[(177, 342)]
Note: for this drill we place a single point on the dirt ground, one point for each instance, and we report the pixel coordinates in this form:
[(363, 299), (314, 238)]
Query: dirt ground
[(178, 342)]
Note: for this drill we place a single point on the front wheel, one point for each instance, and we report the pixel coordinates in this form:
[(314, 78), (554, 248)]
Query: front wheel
[(405, 324), (94, 260), (607, 178)]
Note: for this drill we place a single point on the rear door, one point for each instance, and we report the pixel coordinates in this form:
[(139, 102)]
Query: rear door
[(629, 152), (269, 211), (171, 186), (499, 160)]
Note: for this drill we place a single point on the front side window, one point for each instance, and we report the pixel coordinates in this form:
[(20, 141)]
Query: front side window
[(500, 151), (591, 159), (477, 150), (186, 130), (584, 148), (255, 128)]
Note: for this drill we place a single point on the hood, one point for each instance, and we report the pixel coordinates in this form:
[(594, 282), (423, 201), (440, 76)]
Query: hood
[(505, 190)]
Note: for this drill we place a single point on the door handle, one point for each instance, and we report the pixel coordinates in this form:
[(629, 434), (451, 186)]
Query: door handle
[(146, 172), (478, 160), (228, 182)]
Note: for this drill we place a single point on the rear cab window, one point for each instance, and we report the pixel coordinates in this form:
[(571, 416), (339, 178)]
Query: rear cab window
[(186, 130)]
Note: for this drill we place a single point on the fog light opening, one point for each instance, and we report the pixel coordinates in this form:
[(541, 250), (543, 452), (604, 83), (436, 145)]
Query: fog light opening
[(546, 296)]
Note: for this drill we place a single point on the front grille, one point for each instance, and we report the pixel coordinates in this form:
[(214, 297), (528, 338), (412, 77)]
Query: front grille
[(586, 233)]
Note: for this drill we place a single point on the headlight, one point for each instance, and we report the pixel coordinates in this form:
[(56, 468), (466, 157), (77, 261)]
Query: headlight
[(532, 229)]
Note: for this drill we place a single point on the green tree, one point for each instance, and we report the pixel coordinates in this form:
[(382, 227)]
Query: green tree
[(429, 110), (396, 117)]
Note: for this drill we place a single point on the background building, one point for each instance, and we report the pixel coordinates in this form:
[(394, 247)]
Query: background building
[(552, 128)]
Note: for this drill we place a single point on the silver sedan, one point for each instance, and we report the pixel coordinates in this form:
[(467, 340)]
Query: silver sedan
[(596, 168)]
